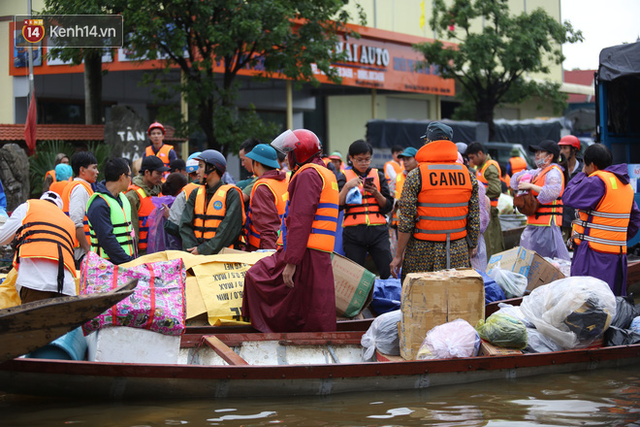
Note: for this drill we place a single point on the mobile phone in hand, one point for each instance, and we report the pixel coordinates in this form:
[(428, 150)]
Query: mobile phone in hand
[(368, 180)]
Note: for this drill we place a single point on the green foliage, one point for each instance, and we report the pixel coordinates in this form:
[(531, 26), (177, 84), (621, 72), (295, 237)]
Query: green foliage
[(273, 37), (492, 65), (43, 161)]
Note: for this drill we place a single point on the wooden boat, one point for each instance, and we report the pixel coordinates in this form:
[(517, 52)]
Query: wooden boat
[(27, 327), (240, 365)]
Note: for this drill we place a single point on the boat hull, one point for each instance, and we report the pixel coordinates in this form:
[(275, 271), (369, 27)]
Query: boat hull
[(135, 381)]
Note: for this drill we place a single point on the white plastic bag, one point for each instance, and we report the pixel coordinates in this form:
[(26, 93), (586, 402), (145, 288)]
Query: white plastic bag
[(354, 197), (513, 284), (574, 312), (382, 335), (449, 341)]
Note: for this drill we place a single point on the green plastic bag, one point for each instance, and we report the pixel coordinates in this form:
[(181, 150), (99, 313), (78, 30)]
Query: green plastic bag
[(503, 331)]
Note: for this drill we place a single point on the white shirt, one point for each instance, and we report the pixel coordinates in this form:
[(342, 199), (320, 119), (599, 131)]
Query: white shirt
[(77, 210), (35, 273)]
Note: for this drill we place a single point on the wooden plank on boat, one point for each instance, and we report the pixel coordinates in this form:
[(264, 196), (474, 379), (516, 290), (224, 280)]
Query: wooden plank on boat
[(224, 351), (27, 327)]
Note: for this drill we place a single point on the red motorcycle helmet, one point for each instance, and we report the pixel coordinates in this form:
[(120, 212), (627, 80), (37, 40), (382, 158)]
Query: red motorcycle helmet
[(300, 145), (155, 125), (570, 140)]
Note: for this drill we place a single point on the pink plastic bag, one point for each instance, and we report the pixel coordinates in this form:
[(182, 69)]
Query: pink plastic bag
[(157, 304)]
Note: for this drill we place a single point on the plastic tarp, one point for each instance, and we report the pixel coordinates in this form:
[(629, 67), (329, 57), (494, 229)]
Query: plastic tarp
[(619, 61), (387, 133)]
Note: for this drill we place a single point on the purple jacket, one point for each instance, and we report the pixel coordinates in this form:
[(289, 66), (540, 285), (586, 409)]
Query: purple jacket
[(584, 192)]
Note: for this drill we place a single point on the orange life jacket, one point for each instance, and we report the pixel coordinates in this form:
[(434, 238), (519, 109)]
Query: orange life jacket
[(47, 233), (52, 174), (66, 196), (368, 212), (396, 167), (483, 180), (506, 179), (325, 221), (443, 201), (279, 190), (163, 153), (517, 164), (187, 189), (400, 179), (547, 214), (607, 224), (145, 210), (206, 222), (58, 187)]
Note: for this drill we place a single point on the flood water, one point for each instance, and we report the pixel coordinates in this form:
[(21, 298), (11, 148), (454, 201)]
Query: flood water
[(597, 398)]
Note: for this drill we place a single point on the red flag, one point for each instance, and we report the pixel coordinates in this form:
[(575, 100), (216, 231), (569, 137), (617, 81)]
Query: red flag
[(30, 126)]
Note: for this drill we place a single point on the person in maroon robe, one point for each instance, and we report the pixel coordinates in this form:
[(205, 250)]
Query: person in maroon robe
[(293, 290)]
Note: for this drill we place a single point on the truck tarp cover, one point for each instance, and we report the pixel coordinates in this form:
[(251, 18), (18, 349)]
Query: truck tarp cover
[(619, 61), (405, 133), (387, 133)]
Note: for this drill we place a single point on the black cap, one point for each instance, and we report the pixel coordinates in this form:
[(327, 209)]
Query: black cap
[(547, 145), (178, 165), (437, 131), (153, 163)]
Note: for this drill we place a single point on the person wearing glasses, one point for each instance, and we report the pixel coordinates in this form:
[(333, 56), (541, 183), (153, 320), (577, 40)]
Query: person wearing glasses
[(365, 227), (109, 214)]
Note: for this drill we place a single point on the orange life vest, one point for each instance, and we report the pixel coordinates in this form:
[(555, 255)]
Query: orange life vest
[(400, 179), (52, 174), (506, 179), (443, 202), (163, 153), (607, 224), (145, 210), (517, 164), (46, 233), (547, 214), (187, 189), (483, 180), (206, 222), (368, 212), (66, 196), (325, 221), (279, 190), (58, 187), (396, 167)]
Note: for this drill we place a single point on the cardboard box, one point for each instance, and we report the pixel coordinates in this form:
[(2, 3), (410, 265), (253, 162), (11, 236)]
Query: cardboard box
[(535, 268), (488, 349), (432, 299), (354, 286)]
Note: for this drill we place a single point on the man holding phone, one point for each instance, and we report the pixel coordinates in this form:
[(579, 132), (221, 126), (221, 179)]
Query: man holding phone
[(365, 227)]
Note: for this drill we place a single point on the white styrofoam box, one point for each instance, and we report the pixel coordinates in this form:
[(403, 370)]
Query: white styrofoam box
[(121, 344)]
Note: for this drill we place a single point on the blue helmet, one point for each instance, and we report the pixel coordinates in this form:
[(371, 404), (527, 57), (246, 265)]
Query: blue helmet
[(192, 163)]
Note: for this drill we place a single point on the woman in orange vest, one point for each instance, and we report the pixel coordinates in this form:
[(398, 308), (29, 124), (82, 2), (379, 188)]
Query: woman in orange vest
[(268, 199), (542, 233), (64, 174), (293, 290), (609, 217), (364, 228), (50, 176)]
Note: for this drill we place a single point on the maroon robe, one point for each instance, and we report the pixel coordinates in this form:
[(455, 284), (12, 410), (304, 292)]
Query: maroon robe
[(310, 305)]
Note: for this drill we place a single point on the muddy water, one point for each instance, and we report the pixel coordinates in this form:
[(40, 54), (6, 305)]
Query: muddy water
[(601, 398)]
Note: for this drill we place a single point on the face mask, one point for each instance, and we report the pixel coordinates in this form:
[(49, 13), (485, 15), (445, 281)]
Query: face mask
[(541, 162)]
